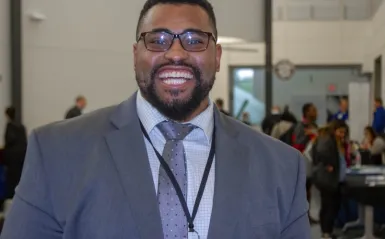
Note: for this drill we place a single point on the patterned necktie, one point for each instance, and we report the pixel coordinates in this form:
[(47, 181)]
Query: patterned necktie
[(173, 217)]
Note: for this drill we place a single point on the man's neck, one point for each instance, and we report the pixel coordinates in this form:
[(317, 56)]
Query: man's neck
[(202, 107)]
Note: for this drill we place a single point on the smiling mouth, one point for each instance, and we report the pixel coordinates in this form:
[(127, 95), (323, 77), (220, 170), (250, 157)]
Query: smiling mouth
[(175, 77)]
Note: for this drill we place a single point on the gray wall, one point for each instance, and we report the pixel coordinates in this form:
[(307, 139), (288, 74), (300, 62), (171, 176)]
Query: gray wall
[(83, 47)]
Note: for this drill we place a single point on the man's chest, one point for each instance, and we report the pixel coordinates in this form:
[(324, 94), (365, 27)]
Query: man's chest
[(195, 161)]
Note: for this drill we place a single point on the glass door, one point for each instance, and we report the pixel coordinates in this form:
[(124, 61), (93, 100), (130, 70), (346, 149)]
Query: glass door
[(248, 94)]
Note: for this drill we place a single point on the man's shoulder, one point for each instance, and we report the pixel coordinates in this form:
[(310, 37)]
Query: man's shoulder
[(274, 161), (262, 144), (271, 162)]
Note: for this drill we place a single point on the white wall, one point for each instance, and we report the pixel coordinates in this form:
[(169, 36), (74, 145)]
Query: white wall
[(304, 43), (4, 65), (83, 47)]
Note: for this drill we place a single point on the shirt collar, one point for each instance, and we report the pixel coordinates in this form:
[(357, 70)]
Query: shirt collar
[(150, 117)]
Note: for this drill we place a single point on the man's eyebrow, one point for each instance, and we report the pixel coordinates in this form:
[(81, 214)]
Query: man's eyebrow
[(193, 30), (171, 32), (161, 30)]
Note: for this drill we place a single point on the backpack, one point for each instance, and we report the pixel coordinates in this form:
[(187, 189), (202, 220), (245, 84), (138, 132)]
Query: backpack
[(287, 137)]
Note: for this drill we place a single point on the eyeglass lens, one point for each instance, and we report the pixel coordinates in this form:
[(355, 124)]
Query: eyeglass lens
[(162, 41)]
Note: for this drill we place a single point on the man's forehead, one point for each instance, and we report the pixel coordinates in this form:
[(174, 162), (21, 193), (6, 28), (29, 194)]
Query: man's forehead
[(177, 18)]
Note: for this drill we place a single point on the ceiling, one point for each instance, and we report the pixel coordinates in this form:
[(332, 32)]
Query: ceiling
[(324, 10)]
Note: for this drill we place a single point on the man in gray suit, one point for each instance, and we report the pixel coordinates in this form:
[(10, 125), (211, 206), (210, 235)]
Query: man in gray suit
[(165, 163)]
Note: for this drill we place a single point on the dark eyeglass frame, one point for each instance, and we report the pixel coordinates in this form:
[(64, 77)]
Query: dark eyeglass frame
[(210, 35)]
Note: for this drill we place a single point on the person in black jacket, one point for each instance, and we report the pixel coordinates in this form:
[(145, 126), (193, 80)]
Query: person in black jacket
[(220, 104), (75, 111), (271, 120), (14, 151), (332, 154)]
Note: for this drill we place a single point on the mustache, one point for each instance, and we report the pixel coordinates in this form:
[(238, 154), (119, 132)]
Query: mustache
[(195, 70)]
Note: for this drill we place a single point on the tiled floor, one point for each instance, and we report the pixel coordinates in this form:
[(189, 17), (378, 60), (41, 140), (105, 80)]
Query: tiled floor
[(314, 209), (316, 231)]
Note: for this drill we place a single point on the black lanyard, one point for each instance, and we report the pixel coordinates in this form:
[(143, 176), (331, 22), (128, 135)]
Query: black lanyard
[(190, 218)]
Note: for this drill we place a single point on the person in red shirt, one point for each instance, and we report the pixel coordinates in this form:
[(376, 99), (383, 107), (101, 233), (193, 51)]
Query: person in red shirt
[(305, 132)]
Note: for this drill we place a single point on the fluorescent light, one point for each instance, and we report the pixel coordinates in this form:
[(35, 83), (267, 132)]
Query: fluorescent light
[(229, 40), (245, 73)]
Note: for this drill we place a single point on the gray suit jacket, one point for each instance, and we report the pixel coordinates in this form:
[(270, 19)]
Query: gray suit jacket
[(89, 178)]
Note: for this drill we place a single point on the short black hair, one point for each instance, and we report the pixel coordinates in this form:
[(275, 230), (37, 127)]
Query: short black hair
[(80, 98), (206, 5), (219, 102), (11, 112), (378, 100), (306, 107)]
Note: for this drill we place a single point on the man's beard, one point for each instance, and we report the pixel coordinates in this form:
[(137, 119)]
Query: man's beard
[(177, 110)]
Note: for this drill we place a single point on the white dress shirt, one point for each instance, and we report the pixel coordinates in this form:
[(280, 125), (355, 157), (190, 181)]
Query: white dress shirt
[(197, 148)]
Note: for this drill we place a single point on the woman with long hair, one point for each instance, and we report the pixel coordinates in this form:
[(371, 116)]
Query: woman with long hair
[(375, 143), (369, 136), (331, 155)]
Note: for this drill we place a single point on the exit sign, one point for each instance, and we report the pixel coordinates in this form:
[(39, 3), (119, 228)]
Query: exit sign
[(332, 88)]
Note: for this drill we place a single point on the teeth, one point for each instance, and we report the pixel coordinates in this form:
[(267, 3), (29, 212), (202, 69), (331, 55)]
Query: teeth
[(174, 81), (176, 74)]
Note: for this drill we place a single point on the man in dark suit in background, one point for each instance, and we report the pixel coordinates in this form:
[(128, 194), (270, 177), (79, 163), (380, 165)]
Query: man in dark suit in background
[(76, 110), (271, 120), (15, 147), (220, 104), (379, 116), (134, 170), (343, 112)]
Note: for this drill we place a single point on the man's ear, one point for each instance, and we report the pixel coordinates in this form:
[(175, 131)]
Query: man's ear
[(218, 57), (135, 51)]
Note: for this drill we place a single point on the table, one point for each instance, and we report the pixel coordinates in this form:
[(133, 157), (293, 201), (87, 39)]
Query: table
[(366, 185)]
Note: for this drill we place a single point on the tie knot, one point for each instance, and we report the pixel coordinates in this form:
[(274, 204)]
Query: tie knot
[(175, 131)]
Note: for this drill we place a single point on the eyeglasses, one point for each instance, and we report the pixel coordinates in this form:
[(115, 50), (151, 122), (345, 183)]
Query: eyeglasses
[(193, 41)]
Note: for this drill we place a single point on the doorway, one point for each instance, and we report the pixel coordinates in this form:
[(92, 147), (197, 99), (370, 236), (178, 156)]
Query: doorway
[(247, 93), (378, 77)]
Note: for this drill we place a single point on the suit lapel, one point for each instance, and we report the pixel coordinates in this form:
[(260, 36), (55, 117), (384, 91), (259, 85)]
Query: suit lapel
[(230, 178), (129, 153)]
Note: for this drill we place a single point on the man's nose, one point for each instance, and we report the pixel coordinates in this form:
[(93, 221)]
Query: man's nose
[(176, 52)]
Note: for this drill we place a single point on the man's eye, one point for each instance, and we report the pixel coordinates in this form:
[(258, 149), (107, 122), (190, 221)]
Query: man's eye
[(194, 41), (158, 41)]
